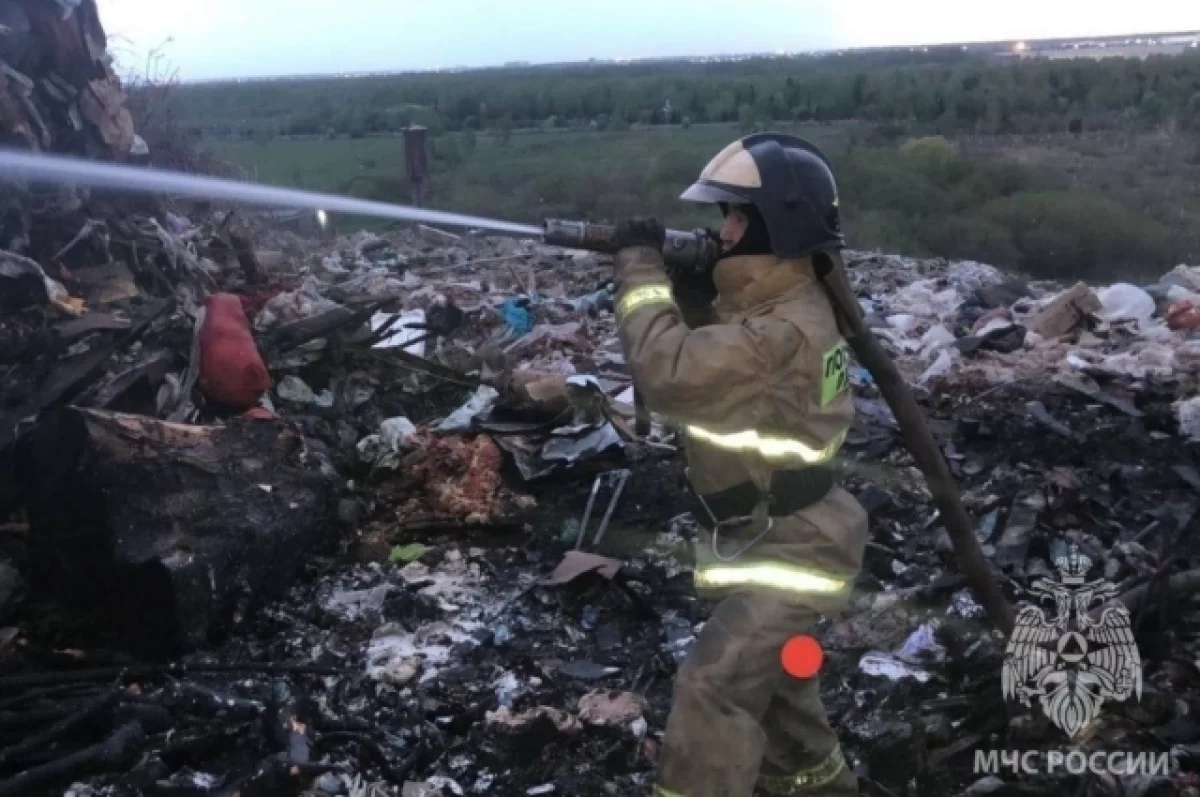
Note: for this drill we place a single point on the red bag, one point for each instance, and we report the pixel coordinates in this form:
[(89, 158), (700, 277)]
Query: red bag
[(1183, 315), (232, 371)]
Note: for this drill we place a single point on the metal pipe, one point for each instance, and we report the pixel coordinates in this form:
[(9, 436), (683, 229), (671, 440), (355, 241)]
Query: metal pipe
[(621, 477)]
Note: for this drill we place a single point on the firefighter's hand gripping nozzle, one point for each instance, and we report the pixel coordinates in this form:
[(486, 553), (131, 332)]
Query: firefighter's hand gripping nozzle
[(684, 251)]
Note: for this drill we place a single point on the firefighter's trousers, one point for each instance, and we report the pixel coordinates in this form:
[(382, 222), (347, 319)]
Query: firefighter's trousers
[(739, 722)]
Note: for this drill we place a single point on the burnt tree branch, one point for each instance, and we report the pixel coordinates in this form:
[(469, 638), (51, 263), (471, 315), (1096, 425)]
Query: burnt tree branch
[(118, 749)]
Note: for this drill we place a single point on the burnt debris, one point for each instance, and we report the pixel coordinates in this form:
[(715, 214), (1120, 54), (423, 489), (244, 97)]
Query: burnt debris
[(381, 514)]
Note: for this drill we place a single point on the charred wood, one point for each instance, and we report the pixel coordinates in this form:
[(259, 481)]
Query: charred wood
[(178, 530), (115, 751)]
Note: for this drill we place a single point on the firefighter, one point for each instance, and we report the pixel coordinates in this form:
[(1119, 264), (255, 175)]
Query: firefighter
[(750, 363)]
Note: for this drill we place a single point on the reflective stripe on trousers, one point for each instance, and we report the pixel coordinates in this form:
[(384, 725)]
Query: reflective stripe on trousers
[(808, 779), (777, 576)]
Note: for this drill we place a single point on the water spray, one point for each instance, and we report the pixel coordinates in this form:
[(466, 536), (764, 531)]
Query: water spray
[(693, 249), (60, 169)]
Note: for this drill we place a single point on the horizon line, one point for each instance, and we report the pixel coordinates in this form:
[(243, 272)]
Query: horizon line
[(620, 61)]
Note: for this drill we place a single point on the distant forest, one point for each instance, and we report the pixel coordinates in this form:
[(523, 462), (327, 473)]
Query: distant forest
[(949, 89)]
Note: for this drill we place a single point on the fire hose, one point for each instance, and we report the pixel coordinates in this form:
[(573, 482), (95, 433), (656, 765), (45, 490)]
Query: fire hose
[(683, 250)]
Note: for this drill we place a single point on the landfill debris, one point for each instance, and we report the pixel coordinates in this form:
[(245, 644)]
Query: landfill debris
[(921, 646), (404, 331), (614, 479), (923, 299), (30, 280), (516, 315), (1188, 413), (986, 785), (610, 708), (110, 283), (413, 789), (393, 658), (352, 605), (366, 570), (464, 417), (510, 722), (576, 563), (542, 391), (1123, 302), (297, 305), (385, 449), (1066, 312), (587, 670), (891, 667), (566, 447), (457, 615), (184, 523), (452, 477), (1183, 315), (407, 553), (1038, 411), (296, 390), (941, 367)]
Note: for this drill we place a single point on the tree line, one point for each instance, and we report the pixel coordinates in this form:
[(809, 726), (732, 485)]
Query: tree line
[(954, 91)]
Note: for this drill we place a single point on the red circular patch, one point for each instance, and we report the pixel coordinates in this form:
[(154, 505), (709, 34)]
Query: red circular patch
[(802, 657)]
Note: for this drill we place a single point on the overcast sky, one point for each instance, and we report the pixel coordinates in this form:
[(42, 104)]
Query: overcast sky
[(245, 38)]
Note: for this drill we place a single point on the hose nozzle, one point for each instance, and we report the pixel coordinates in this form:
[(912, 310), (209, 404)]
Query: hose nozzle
[(691, 250)]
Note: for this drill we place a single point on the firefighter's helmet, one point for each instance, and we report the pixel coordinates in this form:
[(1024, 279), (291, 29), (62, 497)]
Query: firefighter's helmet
[(791, 183)]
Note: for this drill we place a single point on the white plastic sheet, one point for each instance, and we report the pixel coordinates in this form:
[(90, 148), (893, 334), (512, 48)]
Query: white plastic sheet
[(922, 299), (352, 605), (1123, 301), (941, 366), (885, 665), (481, 403), (903, 322), (1188, 413), (922, 646), (400, 334), (935, 339)]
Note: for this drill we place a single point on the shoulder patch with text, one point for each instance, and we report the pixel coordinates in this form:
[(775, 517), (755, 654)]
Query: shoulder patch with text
[(835, 373)]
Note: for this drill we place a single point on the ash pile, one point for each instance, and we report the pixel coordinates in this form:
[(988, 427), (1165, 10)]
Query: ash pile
[(381, 515)]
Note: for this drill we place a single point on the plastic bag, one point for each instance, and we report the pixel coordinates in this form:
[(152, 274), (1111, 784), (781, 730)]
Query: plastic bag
[(232, 371), (1123, 301)]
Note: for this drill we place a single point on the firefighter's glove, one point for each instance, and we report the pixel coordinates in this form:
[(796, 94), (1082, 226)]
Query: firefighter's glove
[(696, 283), (641, 232), (695, 286)]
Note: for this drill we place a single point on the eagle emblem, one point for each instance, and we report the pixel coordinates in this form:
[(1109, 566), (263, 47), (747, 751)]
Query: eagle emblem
[(1071, 662)]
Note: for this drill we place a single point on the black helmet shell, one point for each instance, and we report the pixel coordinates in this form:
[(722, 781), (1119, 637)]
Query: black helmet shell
[(791, 183)]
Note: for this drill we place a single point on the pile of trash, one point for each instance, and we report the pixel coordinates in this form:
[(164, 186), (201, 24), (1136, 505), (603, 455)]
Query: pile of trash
[(460, 550), (58, 89), (966, 323), (384, 514), (192, 431)]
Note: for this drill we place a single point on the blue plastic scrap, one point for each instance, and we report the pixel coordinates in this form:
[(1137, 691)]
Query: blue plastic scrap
[(517, 316)]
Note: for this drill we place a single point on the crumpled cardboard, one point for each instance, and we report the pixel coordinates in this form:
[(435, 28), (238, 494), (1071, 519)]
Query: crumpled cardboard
[(1066, 313)]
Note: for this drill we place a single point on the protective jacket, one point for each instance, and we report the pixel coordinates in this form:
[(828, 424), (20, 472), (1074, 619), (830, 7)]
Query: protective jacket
[(760, 387), (763, 391)]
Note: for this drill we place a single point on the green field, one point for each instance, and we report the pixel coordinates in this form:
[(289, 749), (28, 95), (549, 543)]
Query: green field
[(529, 177), (1062, 206), (1055, 168)]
